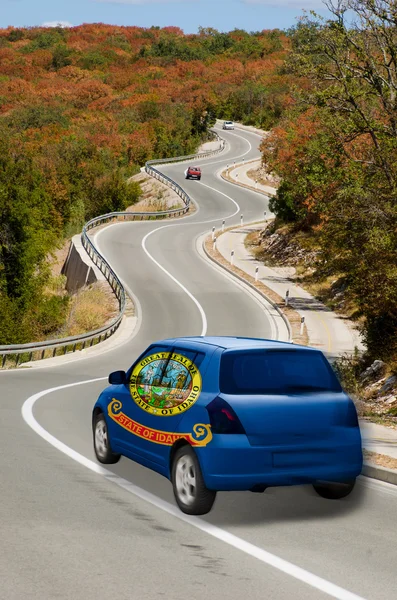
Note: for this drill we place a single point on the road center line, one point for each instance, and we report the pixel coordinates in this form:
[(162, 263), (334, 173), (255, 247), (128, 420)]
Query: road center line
[(193, 298), (196, 302), (332, 590)]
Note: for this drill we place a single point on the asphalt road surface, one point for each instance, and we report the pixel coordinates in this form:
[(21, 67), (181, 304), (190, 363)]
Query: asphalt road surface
[(71, 529)]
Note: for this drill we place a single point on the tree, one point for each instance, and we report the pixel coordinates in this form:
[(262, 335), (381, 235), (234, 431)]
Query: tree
[(349, 73)]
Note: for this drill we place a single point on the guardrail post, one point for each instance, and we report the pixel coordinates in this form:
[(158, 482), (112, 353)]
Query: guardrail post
[(3, 362), (302, 325), (54, 352)]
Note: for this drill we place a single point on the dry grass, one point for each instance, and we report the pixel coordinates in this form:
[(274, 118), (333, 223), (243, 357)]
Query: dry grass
[(380, 459), (263, 178), (292, 315), (59, 257), (225, 175), (156, 196), (90, 308)]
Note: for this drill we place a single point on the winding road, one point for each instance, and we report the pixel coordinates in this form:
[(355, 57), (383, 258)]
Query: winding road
[(71, 529)]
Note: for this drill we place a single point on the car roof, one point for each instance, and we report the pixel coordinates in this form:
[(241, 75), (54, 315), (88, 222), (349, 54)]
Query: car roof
[(233, 343), (195, 168)]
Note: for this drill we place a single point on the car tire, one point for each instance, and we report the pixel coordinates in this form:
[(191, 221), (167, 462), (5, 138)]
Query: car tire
[(334, 491), (102, 447), (191, 494), (198, 178)]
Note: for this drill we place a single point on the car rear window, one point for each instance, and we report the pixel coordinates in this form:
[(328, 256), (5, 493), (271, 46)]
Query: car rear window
[(276, 372), (195, 169)]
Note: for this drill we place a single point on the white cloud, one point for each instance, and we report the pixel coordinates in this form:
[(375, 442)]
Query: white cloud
[(57, 24)]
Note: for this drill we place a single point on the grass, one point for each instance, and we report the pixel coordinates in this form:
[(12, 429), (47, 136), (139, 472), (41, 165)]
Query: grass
[(380, 459), (90, 308), (254, 174)]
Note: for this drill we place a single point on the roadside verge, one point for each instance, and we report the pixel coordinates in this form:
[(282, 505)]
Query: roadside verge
[(290, 317)]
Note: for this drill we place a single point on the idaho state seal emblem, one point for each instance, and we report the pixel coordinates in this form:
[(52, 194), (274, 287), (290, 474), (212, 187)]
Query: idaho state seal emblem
[(165, 384)]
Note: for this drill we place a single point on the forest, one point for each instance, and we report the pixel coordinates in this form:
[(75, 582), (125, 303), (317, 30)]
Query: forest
[(82, 109)]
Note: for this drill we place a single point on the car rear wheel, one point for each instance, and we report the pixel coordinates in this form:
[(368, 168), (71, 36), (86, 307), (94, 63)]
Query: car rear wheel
[(191, 494), (199, 178), (334, 491), (102, 448)]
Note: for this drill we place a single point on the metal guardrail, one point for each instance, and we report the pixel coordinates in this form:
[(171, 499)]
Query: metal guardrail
[(20, 353)]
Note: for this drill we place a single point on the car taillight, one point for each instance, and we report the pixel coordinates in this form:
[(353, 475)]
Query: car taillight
[(223, 419), (347, 415)]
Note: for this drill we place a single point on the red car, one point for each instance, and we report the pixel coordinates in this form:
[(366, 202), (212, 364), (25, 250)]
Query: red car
[(193, 173)]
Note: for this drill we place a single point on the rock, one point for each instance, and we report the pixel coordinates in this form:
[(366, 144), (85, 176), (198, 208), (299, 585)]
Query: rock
[(390, 400), (377, 366), (375, 369), (389, 384)]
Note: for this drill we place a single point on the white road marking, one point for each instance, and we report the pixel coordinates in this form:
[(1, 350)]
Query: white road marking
[(197, 303), (272, 314), (268, 558), (226, 196), (193, 298), (175, 280)]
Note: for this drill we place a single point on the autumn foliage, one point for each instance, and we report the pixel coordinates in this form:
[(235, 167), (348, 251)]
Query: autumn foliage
[(81, 109), (335, 149)]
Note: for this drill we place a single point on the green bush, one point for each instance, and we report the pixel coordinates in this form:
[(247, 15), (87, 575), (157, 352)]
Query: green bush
[(60, 57), (35, 117)]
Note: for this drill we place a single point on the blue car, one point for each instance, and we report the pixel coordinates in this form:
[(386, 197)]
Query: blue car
[(228, 413)]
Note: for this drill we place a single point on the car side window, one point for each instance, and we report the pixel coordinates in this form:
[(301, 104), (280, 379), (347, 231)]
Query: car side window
[(166, 381), (151, 364), (179, 368)]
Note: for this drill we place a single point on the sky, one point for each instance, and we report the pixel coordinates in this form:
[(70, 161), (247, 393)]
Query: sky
[(224, 15)]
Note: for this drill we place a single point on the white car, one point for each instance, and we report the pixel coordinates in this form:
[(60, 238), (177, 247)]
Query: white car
[(228, 125)]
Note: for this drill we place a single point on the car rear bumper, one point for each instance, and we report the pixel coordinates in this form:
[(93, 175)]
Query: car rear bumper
[(232, 464)]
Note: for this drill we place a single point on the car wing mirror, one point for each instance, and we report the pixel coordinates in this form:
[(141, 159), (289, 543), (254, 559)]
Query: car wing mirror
[(118, 378)]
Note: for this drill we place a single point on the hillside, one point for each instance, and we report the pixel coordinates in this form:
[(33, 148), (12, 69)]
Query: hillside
[(81, 109), (334, 151)]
